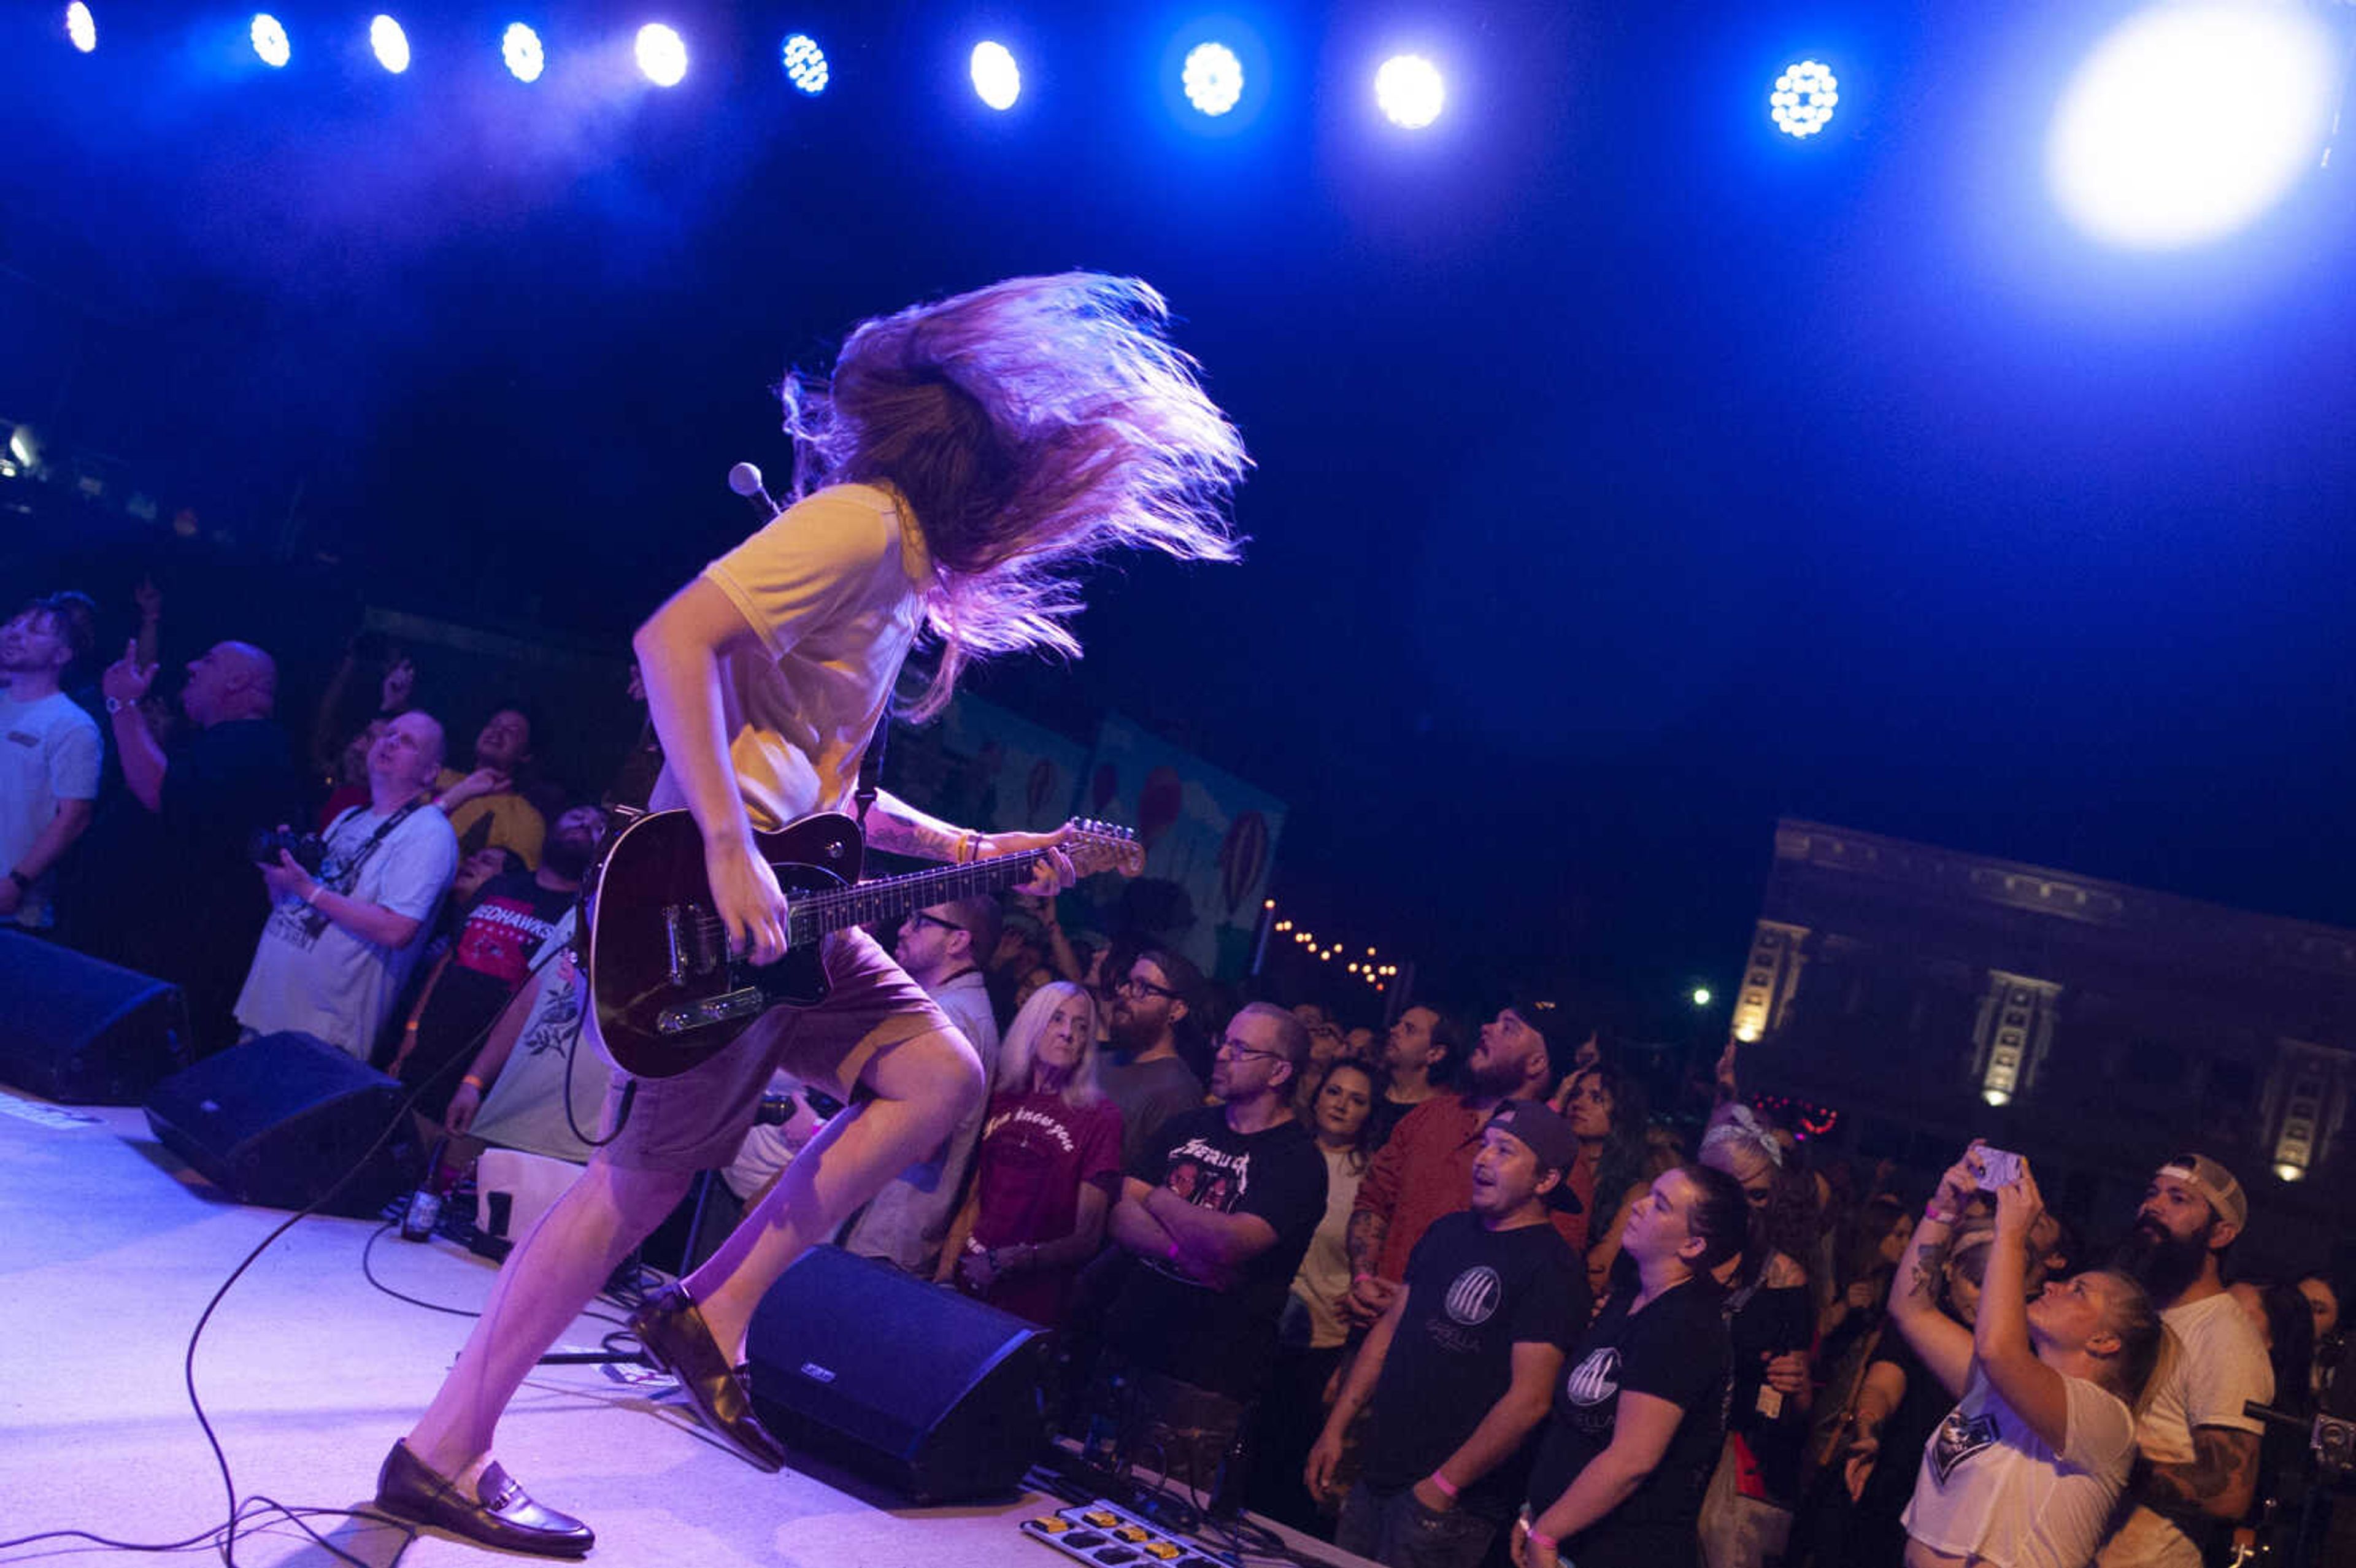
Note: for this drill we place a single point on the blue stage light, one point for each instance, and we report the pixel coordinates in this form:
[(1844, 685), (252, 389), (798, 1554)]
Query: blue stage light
[(82, 27), (996, 77), (269, 41), (1410, 91), (1214, 78), (390, 43), (805, 63), (519, 47), (2190, 120), (663, 54), (1804, 99)]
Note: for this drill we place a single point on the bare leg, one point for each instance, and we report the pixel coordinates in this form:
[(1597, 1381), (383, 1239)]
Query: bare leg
[(924, 1087), (557, 1270)]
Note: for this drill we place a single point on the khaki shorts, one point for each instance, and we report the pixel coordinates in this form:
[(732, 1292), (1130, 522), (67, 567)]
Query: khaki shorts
[(695, 1121)]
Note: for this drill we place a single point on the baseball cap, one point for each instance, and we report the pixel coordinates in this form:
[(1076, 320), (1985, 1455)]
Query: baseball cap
[(1549, 1138), (2214, 1183)]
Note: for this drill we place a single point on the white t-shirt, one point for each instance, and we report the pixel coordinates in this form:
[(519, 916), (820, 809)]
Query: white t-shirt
[(835, 588), (2224, 1365), (1990, 1488), (50, 752), (312, 974), (1324, 1274)]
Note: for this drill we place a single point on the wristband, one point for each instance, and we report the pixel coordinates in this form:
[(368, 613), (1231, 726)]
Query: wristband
[(1933, 1214), (312, 896), (471, 1081), (1546, 1541), (1448, 1488)]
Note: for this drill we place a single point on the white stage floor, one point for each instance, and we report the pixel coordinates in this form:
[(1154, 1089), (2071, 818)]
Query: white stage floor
[(109, 1250)]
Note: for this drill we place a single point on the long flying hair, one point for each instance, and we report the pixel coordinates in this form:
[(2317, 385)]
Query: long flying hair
[(1021, 1046), (1032, 425)]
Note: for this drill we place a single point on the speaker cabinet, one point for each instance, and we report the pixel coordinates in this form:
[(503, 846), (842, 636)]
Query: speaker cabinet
[(81, 1032), (279, 1120), (927, 1391)]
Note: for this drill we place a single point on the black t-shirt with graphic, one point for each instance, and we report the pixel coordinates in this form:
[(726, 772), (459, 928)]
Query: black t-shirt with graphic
[(512, 915), (1472, 1294), (1676, 1349), (1222, 1340)]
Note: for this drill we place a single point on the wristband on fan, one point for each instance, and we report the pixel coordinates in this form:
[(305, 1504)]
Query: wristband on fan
[(471, 1081), (1448, 1488), (1546, 1541), (1938, 1216)]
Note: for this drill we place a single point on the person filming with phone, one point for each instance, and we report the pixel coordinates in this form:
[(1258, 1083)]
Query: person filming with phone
[(2026, 1470)]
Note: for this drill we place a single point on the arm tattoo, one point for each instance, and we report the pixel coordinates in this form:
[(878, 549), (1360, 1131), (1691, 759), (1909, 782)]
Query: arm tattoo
[(1364, 1240), (2221, 1463), (1929, 1256)]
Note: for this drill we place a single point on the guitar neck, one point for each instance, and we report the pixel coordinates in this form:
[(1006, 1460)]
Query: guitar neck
[(897, 898)]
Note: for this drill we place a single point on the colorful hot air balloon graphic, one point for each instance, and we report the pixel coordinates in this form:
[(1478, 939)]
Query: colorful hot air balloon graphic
[(1158, 803), (1242, 857)]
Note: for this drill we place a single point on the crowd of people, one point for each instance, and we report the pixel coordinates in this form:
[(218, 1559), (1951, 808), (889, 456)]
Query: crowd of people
[(1445, 1294)]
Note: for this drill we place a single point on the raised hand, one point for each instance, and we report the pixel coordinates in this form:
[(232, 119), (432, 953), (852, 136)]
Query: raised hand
[(400, 683), (127, 680)]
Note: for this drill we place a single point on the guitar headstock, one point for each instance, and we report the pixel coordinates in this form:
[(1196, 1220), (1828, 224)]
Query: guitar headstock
[(1102, 847)]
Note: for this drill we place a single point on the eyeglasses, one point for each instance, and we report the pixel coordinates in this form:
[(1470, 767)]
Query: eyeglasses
[(1230, 1046), (1146, 987), (922, 918)]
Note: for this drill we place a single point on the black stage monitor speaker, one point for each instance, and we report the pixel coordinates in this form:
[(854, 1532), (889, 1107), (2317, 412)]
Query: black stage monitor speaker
[(926, 1390), (279, 1120), (84, 1032)]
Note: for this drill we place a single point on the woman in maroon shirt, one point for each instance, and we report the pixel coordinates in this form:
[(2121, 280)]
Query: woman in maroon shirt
[(1048, 1166)]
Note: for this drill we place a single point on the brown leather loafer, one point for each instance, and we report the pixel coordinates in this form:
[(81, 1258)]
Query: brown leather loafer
[(678, 1342), (504, 1517)]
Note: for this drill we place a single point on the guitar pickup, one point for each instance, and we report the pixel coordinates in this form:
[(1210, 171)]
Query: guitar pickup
[(747, 1002)]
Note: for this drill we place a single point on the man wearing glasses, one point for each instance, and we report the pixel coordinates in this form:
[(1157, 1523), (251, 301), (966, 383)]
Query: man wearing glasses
[(941, 948), (1143, 1073), (1238, 1190)]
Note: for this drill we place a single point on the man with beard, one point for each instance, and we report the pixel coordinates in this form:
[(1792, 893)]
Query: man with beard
[(1144, 1074), (1425, 1170), (1218, 1223), (1415, 1053), (512, 916), (2200, 1451)]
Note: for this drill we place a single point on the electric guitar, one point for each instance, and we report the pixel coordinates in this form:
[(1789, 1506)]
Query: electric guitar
[(668, 991)]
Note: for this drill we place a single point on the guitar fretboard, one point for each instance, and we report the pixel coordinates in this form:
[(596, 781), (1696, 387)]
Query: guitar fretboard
[(895, 897)]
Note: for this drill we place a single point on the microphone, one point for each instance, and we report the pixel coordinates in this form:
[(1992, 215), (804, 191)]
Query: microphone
[(745, 480)]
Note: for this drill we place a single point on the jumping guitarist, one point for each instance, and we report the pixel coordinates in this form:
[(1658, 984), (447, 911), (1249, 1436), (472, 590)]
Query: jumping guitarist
[(965, 456)]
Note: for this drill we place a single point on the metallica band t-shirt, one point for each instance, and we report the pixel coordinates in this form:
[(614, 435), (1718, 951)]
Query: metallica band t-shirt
[(1223, 1339), (1676, 1349), (1473, 1295)]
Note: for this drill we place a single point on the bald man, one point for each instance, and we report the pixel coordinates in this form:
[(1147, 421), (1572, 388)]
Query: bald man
[(165, 886), (342, 940)]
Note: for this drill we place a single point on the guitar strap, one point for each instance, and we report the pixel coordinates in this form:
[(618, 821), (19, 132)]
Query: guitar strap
[(871, 766)]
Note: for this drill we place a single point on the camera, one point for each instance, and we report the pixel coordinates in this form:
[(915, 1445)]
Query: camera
[(310, 851)]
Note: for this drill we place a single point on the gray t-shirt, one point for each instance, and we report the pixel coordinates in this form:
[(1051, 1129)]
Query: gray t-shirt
[(310, 974), (50, 752), (1148, 1093), (906, 1222)]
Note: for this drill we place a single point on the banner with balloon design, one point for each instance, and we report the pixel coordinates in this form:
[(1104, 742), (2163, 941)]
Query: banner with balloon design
[(984, 767), (1205, 832)]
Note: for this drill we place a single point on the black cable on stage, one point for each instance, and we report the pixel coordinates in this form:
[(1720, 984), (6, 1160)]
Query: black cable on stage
[(367, 1269), (224, 1535)]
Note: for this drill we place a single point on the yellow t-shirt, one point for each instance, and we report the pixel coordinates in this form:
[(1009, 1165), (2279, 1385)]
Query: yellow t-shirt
[(506, 820), (835, 589)]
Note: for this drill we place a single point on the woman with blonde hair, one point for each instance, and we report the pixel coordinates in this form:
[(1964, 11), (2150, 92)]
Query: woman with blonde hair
[(1047, 1168), (2026, 1468)]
